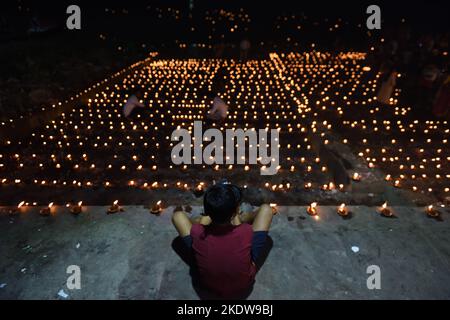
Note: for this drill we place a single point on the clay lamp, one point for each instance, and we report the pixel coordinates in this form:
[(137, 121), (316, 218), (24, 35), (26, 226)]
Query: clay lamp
[(385, 211), (342, 210), (274, 208), (114, 208), (312, 209), (156, 208), (76, 209), (47, 210), (198, 192), (432, 213), (17, 209)]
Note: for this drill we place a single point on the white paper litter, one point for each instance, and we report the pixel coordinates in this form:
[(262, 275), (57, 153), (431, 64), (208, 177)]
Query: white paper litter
[(78, 245), (62, 294), (355, 249), (23, 270), (2, 285)]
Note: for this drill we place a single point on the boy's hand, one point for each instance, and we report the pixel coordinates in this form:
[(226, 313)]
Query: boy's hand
[(274, 208)]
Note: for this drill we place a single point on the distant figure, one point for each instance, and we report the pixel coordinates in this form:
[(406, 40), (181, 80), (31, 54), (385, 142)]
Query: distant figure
[(219, 110), (130, 106), (245, 48), (388, 82)]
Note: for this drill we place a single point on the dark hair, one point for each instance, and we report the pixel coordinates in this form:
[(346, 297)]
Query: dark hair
[(221, 201)]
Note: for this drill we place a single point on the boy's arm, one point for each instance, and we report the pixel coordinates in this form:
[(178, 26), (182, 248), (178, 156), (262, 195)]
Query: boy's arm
[(260, 218), (203, 220)]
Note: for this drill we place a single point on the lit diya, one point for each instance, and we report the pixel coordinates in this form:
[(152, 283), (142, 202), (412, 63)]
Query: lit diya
[(385, 211), (46, 211), (114, 208), (432, 213), (76, 209), (17, 209), (156, 209), (342, 210), (274, 208), (312, 209), (356, 177), (198, 192)]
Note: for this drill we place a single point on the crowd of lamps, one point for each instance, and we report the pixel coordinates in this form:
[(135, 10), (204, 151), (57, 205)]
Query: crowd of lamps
[(300, 94)]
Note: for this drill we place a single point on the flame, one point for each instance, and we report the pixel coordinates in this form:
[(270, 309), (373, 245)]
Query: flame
[(158, 203), (313, 205), (384, 206), (21, 204), (342, 207), (116, 202), (50, 204), (273, 205), (430, 207), (80, 203)]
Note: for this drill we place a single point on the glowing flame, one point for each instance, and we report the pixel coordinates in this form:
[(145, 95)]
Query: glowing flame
[(21, 204), (313, 205), (384, 206), (80, 203), (158, 203), (50, 204), (116, 202), (342, 207), (430, 207)]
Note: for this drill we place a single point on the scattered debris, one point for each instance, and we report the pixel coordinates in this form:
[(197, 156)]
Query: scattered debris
[(78, 245), (62, 294), (355, 249), (2, 285), (23, 270)]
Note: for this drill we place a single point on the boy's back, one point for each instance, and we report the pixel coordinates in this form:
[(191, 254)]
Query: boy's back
[(223, 256)]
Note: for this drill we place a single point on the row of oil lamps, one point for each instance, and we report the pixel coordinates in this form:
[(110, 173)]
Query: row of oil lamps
[(384, 211), (77, 208), (157, 208)]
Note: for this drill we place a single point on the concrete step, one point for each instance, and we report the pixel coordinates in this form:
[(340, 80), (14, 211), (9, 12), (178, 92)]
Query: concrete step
[(128, 255)]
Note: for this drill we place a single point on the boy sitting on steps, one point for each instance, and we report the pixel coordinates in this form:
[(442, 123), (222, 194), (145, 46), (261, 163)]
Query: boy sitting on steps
[(224, 245)]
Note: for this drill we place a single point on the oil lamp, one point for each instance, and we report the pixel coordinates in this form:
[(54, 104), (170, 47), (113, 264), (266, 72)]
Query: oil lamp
[(342, 210), (16, 209), (356, 177), (431, 212), (385, 212), (156, 208), (76, 209), (312, 210), (198, 191), (114, 208), (274, 208), (46, 211)]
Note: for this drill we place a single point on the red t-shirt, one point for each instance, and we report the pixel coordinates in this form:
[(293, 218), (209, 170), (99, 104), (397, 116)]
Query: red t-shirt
[(223, 256)]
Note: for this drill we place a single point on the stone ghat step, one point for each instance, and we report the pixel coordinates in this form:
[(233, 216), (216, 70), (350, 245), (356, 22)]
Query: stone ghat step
[(128, 255)]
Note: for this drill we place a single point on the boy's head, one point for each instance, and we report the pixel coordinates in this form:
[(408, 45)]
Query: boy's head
[(221, 202)]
